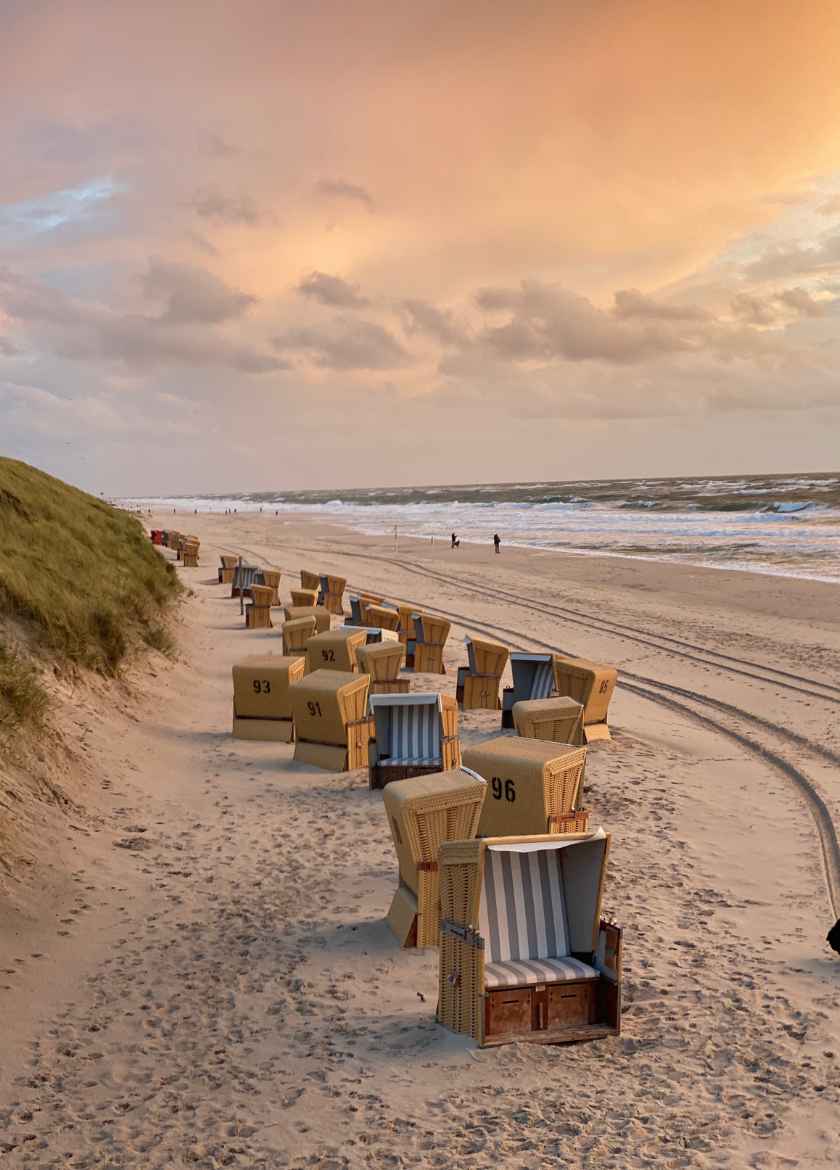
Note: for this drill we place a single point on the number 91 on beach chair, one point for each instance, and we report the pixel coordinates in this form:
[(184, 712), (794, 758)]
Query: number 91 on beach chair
[(332, 726), (524, 952)]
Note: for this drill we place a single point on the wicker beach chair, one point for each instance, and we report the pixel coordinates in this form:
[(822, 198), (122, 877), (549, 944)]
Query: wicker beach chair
[(334, 650), (425, 650), (414, 735), (524, 952), (383, 617), (323, 619), (271, 578), (226, 568), (332, 727), (331, 594), (310, 581), (244, 576), (382, 661), (423, 812), (558, 720), (296, 633), (590, 684), (406, 629), (261, 706), (258, 611), (358, 608), (533, 678), (304, 597), (478, 683), (533, 786), (373, 634), (189, 552)]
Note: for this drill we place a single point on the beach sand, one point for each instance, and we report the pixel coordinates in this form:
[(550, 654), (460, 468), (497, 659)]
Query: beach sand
[(198, 973)]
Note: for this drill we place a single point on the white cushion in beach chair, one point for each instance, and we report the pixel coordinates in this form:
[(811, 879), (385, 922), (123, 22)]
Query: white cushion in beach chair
[(408, 728), (523, 920)]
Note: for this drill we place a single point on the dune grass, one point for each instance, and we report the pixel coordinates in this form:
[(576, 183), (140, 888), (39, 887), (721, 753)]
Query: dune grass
[(77, 576)]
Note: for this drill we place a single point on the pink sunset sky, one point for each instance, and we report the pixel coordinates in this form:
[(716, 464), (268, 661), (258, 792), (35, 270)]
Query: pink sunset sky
[(326, 244)]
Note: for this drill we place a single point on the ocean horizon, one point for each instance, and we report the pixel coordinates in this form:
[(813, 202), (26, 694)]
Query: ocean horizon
[(785, 525)]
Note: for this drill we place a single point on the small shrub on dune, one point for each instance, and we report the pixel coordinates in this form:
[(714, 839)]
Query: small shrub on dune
[(22, 698)]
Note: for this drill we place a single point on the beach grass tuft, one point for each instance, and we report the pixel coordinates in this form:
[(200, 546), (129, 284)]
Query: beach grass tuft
[(78, 578)]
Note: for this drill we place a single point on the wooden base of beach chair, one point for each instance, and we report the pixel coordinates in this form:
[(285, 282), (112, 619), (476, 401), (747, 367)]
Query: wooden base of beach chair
[(479, 692), (573, 822), (275, 730), (258, 617), (190, 560), (428, 658), (396, 686), (596, 732), (381, 774), (559, 1013)]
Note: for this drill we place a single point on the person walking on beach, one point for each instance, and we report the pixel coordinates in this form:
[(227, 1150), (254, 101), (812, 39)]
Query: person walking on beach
[(455, 541), (497, 541)]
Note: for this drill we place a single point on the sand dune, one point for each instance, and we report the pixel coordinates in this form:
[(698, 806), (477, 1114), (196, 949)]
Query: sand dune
[(219, 989)]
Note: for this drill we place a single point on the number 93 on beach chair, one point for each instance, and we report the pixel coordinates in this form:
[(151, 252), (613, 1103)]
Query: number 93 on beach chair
[(524, 952), (423, 812), (261, 704), (414, 735)]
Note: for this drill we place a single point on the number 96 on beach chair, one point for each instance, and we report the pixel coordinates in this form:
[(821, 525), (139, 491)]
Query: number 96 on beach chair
[(423, 812), (524, 952), (532, 787)]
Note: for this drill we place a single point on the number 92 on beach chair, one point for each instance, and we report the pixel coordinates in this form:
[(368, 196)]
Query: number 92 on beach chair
[(524, 952)]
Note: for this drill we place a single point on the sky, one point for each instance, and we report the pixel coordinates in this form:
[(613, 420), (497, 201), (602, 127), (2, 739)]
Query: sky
[(375, 242)]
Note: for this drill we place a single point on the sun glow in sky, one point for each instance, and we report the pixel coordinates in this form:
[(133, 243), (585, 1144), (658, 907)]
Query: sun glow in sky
[(359, 242)]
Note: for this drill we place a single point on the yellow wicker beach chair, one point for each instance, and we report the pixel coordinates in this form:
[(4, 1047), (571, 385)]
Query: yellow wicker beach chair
[(304, 597), (331, 594), (423, 812), (323, 618), (271, 578), (296, 633), (424, 652), (382, 661), (478, 684), (310, 581), (258, 613), (414, 735), (334, 650), (261, 706), (226, 567), (590, 684), (559, 720), (524, 952), (332, 727), (382, 617), (532, 786), (189, 552)]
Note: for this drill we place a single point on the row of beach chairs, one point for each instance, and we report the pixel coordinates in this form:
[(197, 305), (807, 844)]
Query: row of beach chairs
[(497, 866)]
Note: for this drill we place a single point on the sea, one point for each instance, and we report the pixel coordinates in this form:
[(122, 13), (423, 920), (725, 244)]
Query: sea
[(783, 525)]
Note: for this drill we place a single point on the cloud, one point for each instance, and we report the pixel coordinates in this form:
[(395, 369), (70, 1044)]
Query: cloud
[(193, 295), (787, 305), (420, 316), (785, 260), (830, 207), (226, 208), (332, 290), (630, 303), (339, 189), (83, 331), (346, 345)]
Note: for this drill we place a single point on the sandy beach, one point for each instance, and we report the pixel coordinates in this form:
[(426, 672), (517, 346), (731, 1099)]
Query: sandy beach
[(194, 966)]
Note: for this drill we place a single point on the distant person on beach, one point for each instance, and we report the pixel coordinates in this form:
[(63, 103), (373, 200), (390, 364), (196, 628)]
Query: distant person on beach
[(455, 541), (833, 937), (497, 541)]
